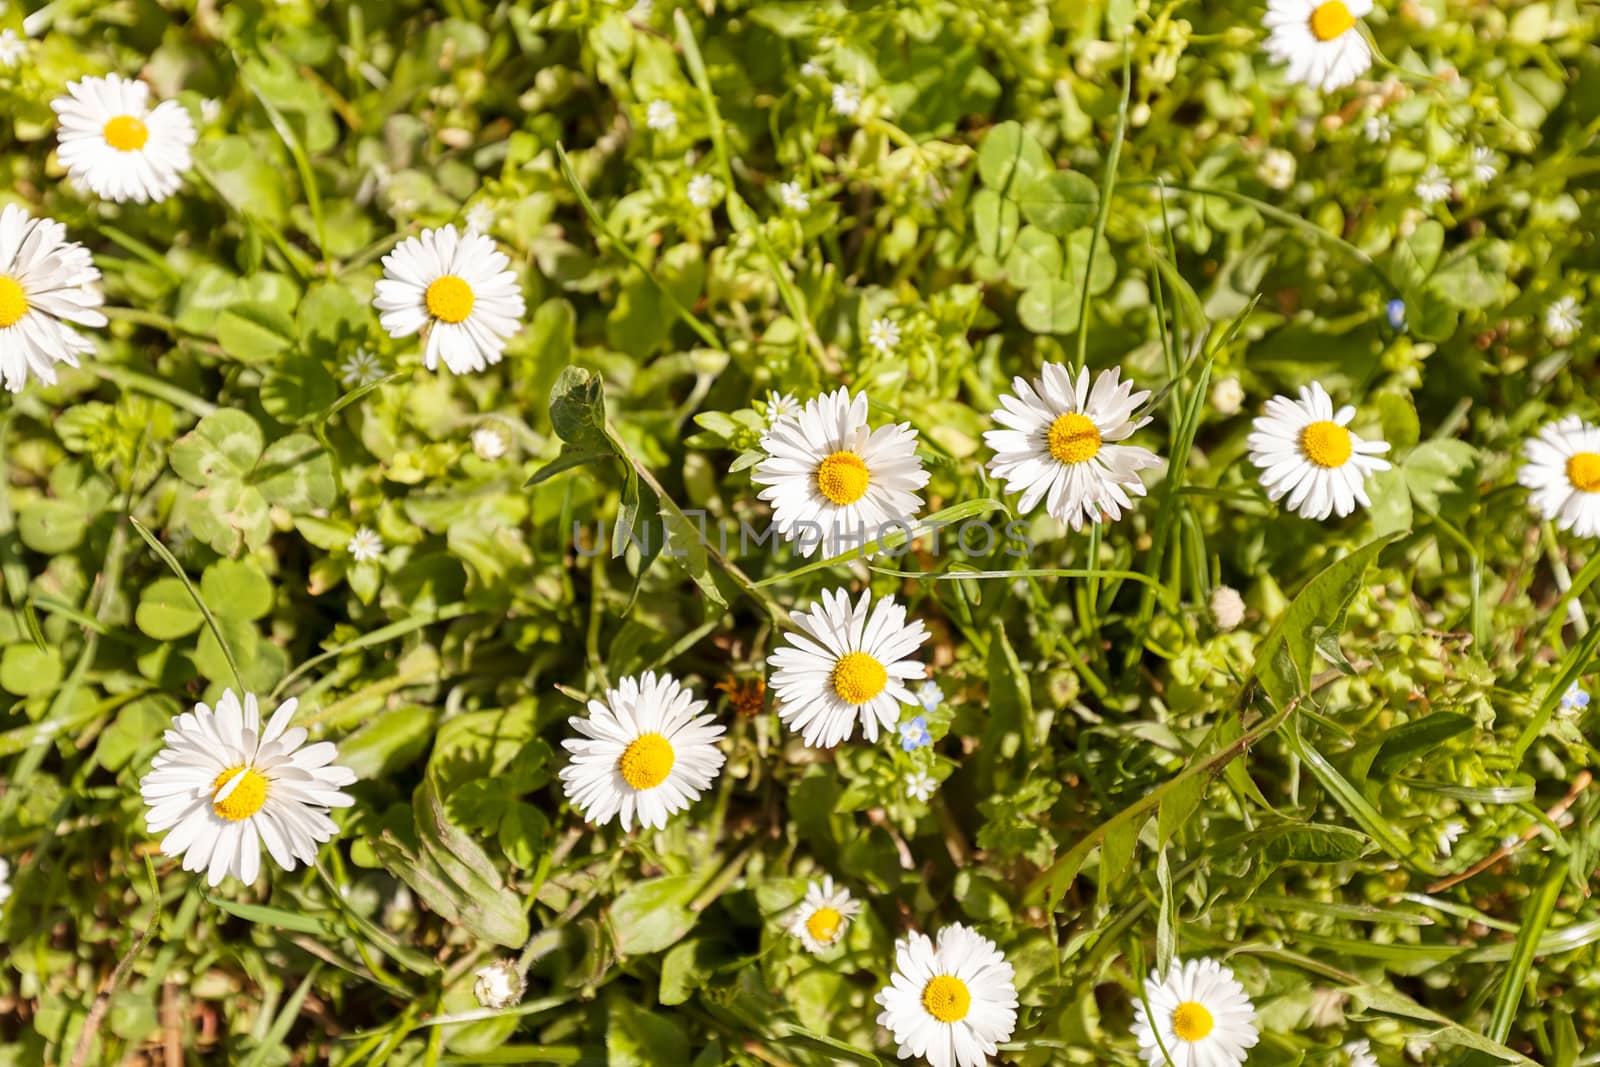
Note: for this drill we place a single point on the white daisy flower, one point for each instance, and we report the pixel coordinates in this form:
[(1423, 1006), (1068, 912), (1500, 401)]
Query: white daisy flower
[(1563, 319), (1059, 443), (832, 481), (848, 663), (1319, 41), (5, 881), (365, 545), (646, 752), (823, 916), (499, 985), (457, 287), (883, 335), (1485, 165), (920, 786), (1378, 128), (1359, 1054), (952, 1001), (794, 198), (1563, 473), (846, 99), (12, 49), (360, 368), (1448, 835), (1201, 1013), (1433, 185), (702, 190), (224, 786), (780, 406), (489, 443), (1305, 451), (47, 285), (116, 144), (661, 117), (480, 216)]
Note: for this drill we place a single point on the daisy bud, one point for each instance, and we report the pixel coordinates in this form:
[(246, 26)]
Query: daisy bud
[(1227, 396), (1227, 607), (499, 985)]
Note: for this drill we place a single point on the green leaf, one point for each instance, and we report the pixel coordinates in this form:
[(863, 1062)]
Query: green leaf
[(578, 408), (295, 473), (1059, 203), (1415, 739), (223, 447), (166, 611), (1010, 157), (234, 589), (654, 914), (1308, 843), (1051, 306), (254, 333), (1435, 468)]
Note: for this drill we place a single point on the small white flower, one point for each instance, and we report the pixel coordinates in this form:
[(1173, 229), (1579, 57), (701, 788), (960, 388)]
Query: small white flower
[(12, 49), (1227, 607), (489, 442), (1433, 186), (1563, 319), (1201, 1013), (360, 368), (1417, 1048), (48, 285), (1378, 128), (1320, 41), (952, 1001), (702, 190), (5, 881), (499, 985), (1306, 452), (811, 69), (224, 786), (1448, 835), (641, 10), (661, 117), (210, 109), (883, 335), (1276, 169), (112, 141), (823, 917), (780, 406), (1485, 166), (1359, 1054), (480, 216), (833, 481), (1061, 443), (1227, 396), (929, 695), (457, 287), (846, 663), (920, 786), (365, 546), (794, 198), (1563, 473), (645, 753), (846, 99)]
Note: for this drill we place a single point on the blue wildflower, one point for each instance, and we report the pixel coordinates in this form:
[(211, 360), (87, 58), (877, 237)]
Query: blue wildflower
[(1575, 699), (1395, 310), (914, 734), (929, 695)]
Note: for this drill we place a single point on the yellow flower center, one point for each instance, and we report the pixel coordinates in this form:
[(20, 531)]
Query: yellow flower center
[(126, 133), (13, 302), (946, 998), (1327, 444), (1583, 469), (449, 298), (1073, 438), (825, 925), (857, 677), (1331, 19), (246, 798), (843, 477), (1192, 1021), (647, 761)]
